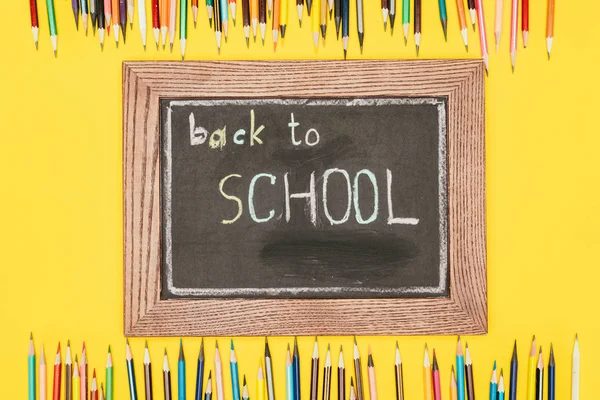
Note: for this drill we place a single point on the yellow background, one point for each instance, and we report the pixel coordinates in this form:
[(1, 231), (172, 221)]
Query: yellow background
[(61, 211)]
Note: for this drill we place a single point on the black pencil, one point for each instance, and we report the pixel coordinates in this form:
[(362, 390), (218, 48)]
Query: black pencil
[(326, 376), (200, 372), (345, 25), (314, 372), (360, 26), (392, 15), (514, 371), (539, 377), (470, 385), (472, 12), (296, 368), (352, 392), (166, 369), (101, 22), (399, 375), (337, 6), (262, 18), (269, 372), (147, 373), (341, 377), (417, 28), (360, 391)]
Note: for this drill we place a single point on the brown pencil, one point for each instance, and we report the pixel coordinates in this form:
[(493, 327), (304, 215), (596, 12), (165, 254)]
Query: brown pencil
[(341, 377), (469, 374), (314, 373), (327, 376), (399, 377), (68, 373), (147, 373)]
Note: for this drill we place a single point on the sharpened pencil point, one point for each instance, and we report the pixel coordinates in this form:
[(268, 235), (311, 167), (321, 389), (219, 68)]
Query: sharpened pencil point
[(171, 45), (345, 53), (385, 26), (467, 47), (548, 56), (247, 43), (473, 26), (36, 45), (216, 344), (210, 23), (54, 53), (417, 50)]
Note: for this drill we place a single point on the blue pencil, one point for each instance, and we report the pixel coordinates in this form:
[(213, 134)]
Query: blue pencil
[(200, 372), (296, 364), (494, 384), (514, 370), (235, 380), (181, 387), (551, 376), (345, 25), (460, 371)]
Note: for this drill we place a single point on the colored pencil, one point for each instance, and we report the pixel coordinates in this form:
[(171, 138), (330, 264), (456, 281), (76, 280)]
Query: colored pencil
[(93, 15), (116, 15), (498, 23), (462, 23), (283, 16), (443, 17), (130, 8), (514, 18), (501, 386), (360, 391), (289, 376), (208, 393), (181, 382), (539, 377), (326, 376), (371, 373), (76, 381), (246, 20), (217, 25), (245, 395), (195, 11), (235, 379), (314, 368), (260, 383), (123, 18), (345, 25), (494, 384), (549, 26), (482, 34), (107, 14), (360, 25), (147, 373), (453, 392), (42, 375), (269, 372), (551, 375), (254, 17), (417, 26), (472, 12), (337, 17), (296, 364), (309, 7), (514, 374), (575, 370), (330, 7), (525, 21), (31, 365), (531, 372), (101, 22), (183, 6), (316, 19), (209, 10), (275, 23), (427, 377), (341, 377), (172, 22), (300, 9), (167, 377), (83, 369), (200, 372), (385, 12), (35, 26), (469, 381), (130, 372), (399, 375), (223, 11), (232, 6), (219, 373), (262, 18), (156, 22), (392, 16), (57, 375), (405, 19), (101, 392), (94, 387), (142, 20), (163, 16), (323, 19), (109, 376), (435, 378), (352, 392), (84, 15), (460, 371), (52, 24), (75, 8), (68, 373)]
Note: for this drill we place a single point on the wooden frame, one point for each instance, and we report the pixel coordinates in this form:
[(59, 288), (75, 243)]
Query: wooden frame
[(463, 312)]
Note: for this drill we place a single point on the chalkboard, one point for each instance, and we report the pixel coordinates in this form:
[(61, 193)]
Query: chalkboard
[(353, 203), (363, 213)]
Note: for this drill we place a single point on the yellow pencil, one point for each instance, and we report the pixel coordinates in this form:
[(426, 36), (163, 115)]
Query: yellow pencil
[(76, 381), (453, 389), (531, 366), (427, 376), (260, 383), (316, 20)]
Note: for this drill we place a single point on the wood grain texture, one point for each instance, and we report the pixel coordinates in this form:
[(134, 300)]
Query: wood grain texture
[(463, 312)]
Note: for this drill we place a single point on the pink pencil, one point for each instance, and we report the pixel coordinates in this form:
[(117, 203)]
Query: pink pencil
[(83, 374), (482, 34), (107, 15), (498, 24), (372, 381), (43, 390), (514, 18)]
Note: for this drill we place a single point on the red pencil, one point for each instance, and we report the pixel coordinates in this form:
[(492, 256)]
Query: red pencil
[(94, 387), (57, 375), (156, 22), (525, 20), (435, 373), (34, 21), (195, 11)]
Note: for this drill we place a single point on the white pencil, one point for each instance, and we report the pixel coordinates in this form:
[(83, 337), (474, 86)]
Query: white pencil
[(498, 24), (130, 7), (219, 374), (575, 376), (142, 20)]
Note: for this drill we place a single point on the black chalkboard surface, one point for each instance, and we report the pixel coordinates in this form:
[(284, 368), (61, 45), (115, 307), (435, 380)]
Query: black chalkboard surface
[(308, 198)]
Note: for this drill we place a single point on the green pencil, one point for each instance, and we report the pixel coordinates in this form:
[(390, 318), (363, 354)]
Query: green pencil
[(109, 376), (183, 6), (52, 23), (209, 11), (405, 18)]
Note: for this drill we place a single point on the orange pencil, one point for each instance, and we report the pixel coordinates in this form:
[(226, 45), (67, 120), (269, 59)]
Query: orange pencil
[(57, 375), (164, 20), (275, 22), (462, 22), (550, 26), (453, 390), (115, 19)]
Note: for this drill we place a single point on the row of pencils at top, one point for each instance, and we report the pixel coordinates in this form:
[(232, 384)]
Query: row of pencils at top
[(462, 384), (102, 14)]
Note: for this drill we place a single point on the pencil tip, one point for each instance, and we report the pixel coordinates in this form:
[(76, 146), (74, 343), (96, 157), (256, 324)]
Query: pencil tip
[(231, 344), (54, 53), (30, 335), (210, 23), (146, 344), (467, 47), (216, 344), (109, 349), (385, 26), (247, 43), (171, 46), (36, 45), (417, 50), (473, 26), (548, 56), (345, 53)]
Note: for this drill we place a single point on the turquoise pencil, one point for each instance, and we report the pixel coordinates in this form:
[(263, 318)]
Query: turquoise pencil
[(460, 371), (31, 368), (494, 384), (235, 380), (443, 17), (289, 376), (501, 387), (181, 387)]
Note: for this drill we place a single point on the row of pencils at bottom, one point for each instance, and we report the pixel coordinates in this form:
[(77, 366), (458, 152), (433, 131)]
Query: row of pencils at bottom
[(76, 376)]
